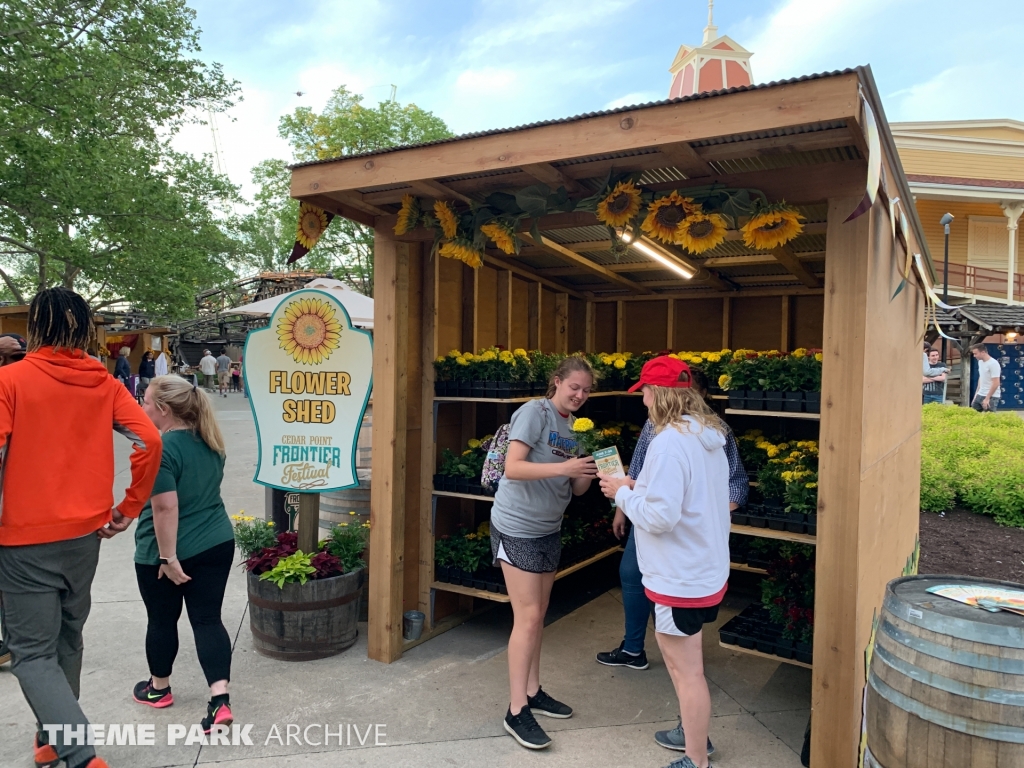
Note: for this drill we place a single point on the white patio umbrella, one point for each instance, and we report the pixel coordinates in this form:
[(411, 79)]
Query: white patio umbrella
[(360, 308)]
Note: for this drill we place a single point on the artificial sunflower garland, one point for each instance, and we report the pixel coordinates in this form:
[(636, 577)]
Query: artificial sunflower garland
[(772, 226), (502, 235), (312, 223), (461, 250), (620, 206), (701, 232), (409, 216), (665, 216), (446, 218)]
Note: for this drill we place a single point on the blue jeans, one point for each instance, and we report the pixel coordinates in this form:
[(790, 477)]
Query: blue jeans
[(928, 398), (634, 600)]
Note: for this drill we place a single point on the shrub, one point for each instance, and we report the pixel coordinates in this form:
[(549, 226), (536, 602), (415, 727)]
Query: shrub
[(974, 459)]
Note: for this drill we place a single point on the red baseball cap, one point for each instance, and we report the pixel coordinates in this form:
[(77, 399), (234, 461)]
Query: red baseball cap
[(664, 371)]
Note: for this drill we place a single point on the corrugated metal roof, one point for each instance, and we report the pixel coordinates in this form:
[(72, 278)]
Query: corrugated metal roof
[(586, 115), (774, 133), (785, 160)]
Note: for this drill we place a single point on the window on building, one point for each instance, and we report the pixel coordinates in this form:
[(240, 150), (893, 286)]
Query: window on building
[(987, 242)]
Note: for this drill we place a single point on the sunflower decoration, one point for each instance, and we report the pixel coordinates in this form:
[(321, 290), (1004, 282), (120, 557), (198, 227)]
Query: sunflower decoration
[(620, 206), (446, 218), (772, 226), (309, 330), (409, 216), (501, 234), (462, 250), (666, 215), (312, 223), (701, 232)]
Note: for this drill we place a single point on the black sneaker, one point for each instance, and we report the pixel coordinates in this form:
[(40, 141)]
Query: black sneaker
[(674, 740), (218, 712), (524, 729), (685, 762), (543, 704), (145, 693), (619, 658)]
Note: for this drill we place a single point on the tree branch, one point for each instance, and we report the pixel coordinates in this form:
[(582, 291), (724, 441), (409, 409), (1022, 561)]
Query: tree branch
[(13, 288), (107, 304), (25, 246)]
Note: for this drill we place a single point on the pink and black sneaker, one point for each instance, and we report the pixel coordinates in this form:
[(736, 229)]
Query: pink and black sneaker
[(218, 712), (145, 693)]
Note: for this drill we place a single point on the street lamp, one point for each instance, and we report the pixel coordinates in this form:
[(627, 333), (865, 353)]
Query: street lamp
[(944, 221)]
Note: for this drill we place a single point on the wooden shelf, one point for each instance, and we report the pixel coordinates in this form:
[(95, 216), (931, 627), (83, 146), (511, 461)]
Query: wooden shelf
[(768, 533), (747, 568), (769, 656), (776, 414), (456, 495), (500, 598), (527, 399)]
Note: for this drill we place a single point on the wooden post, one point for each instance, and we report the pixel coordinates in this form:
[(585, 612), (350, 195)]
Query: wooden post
[(619, 338), (670, 326), (590, 309), (387, 491), (870, 470), (309, 521), (726, 321), (470, 291), (784, 345), (428, 448), (505, 308), (534, 324), (562, 323)]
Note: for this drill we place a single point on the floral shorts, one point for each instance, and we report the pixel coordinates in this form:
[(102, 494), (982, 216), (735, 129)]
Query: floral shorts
[(539, 555)]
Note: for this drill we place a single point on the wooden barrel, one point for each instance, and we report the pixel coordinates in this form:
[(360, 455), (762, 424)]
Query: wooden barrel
[(336, 506), (304, 621), (946, 683)]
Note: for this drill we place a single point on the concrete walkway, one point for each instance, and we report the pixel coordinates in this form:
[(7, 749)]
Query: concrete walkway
[(440, 705)]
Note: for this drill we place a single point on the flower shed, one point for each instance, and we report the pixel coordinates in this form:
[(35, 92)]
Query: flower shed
[(772, 217)]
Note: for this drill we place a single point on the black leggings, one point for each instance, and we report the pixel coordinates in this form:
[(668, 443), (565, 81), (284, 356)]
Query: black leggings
[(203, 596)]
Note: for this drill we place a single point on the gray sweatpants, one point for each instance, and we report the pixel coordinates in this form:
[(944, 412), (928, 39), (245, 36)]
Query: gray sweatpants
[(45, 598)]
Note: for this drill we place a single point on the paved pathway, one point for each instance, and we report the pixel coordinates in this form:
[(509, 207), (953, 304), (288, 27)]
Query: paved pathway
[(440, 705)]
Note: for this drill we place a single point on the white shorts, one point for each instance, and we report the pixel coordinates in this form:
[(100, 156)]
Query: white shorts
[(682, 622), (664, 623)]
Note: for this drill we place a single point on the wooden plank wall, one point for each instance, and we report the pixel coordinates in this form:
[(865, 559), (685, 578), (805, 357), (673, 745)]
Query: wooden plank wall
[(869, 479)]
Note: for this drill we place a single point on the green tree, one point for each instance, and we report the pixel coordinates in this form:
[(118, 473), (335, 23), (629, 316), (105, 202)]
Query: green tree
[(91, 195), (344, 127)]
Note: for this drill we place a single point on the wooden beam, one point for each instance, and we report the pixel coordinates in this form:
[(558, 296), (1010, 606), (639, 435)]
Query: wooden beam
[(590, 310), (753, 280), (553, 177), (777, 145), (535, 297), (703, 293), (469, 324), (758, 259), (786, 304), (504, 301), (562, 323), (387, 494), (685, 158), (339, 208), (355, 200), (566, 255), (530, 274), (589, 245), (636, 266), (428, 448), (802, 103), (620, 313), (670, 325), (438, 191), (785, 256), (726, 322)]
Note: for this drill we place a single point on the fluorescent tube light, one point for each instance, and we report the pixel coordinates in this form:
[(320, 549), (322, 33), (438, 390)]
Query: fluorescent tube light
[(654, 251)]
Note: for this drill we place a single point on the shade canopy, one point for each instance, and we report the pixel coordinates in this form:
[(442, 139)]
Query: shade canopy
[(360, 308)]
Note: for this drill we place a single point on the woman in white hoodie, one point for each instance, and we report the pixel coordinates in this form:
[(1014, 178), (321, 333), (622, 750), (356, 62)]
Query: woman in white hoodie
[(680, 507)]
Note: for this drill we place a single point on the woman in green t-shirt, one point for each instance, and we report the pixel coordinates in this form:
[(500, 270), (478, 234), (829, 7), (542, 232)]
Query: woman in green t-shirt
[(184, 546)]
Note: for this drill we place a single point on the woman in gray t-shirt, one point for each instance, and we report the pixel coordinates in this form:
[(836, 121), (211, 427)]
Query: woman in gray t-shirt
[(542, 471)]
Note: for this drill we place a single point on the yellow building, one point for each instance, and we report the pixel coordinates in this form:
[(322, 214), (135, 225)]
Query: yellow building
[(973, 169)]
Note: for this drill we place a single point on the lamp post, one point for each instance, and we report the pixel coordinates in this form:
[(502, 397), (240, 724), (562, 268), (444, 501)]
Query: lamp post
[(944, 221)]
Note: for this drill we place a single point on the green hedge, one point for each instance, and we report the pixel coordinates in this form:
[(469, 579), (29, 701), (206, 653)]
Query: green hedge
[(974, 460)]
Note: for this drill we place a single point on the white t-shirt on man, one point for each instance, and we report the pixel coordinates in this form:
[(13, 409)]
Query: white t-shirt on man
[(987, 371), (208, 365)]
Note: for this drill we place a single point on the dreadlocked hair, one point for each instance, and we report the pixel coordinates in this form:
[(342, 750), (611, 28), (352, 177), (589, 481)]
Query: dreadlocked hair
[(59, 318)]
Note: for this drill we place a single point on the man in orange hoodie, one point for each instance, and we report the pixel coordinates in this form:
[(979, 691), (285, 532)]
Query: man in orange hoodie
[(57, 409)]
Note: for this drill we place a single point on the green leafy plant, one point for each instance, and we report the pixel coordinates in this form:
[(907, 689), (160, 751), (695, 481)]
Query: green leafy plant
[(253, 535), (469, 463), (347, 542), (293, 569)]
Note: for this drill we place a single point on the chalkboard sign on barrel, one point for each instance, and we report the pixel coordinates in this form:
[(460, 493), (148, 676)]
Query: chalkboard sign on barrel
[(946, 683)]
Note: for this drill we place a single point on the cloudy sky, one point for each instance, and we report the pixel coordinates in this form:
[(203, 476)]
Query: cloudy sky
[(490, 63)]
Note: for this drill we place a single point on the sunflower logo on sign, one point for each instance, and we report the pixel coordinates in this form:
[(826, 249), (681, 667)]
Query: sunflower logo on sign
[(312, 223), (309, 331)]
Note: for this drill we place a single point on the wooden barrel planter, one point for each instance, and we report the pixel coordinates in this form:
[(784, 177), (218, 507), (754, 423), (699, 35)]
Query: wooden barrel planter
[(305, 621), (946, 683)]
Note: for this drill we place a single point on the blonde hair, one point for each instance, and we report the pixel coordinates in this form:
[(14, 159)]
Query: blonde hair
[(125, 351), (190, 405), (566, 368), (671, 404)]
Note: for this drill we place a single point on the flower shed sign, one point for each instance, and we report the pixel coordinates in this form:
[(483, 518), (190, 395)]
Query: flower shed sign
[(309, 375)]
